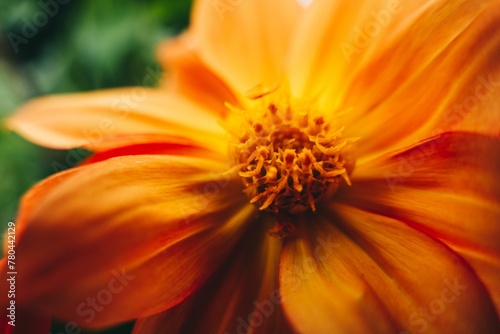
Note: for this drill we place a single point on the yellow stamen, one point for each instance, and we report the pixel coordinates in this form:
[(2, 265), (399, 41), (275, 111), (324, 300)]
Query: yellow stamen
[(290, 157)]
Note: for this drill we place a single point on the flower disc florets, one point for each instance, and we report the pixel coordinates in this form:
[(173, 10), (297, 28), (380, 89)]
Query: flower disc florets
[(290, 157)]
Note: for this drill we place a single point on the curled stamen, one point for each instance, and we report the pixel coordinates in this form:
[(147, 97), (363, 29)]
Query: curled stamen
[(292, 159)]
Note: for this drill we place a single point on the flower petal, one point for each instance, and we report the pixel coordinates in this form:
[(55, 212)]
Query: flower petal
[(189, 76), (330, 45), (33, 197), (127, 237), (447, 187), (144, 144), (364, 273), (245, 42), (414, 90), (87, 119), (406, 63), (243, 297)]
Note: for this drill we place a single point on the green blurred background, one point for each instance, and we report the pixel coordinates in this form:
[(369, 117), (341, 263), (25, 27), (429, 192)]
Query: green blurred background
[(83, 45)]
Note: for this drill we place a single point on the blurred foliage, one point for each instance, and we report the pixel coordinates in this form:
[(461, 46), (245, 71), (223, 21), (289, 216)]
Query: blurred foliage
[(82, 45)]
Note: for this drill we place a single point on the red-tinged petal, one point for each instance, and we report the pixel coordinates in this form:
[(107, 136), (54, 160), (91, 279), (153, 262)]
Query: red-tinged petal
[(117, 141), (245, 42), (350, 271), (192, 78), (127, 237), (144, 144), (241, 298), (87, 119), (447, 187), (153, 148)]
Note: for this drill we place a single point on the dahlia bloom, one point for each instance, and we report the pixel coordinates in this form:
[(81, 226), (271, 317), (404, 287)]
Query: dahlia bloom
[(330, 168)]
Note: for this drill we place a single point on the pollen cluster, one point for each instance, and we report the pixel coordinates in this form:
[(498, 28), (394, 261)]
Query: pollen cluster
[(289, 157)]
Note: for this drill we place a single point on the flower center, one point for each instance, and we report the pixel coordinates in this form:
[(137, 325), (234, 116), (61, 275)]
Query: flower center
[(290, 158)]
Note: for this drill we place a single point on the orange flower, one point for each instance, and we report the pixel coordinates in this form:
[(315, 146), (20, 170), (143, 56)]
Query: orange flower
[(362, 136)]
